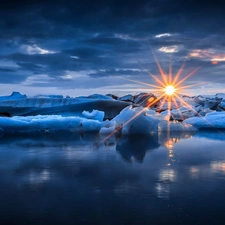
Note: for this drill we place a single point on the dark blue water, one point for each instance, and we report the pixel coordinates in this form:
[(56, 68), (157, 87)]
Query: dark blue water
[(72, 179)]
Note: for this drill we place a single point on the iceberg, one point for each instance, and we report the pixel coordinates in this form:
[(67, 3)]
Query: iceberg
[(213, 120), (136, 121), (20, 105), (95, 114), (48, 123), (184, 112), (14, 96)]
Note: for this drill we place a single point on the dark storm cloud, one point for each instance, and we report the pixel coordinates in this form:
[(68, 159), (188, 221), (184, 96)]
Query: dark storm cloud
[(41, 19), (109, 38), (31, 66), (7, 70), (54, 64)]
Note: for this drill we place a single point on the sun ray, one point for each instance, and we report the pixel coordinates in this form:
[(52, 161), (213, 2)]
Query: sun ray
[(191, 85), (162, 73), (170, 73), (186, 77), (175, 102), (197, 113), (158, 80), (153, 76), (162, 103), (179, 112), (186, 104), (178, 74), (139, 82)]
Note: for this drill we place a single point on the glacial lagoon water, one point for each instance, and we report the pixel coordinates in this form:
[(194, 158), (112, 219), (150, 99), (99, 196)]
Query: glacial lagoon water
[(136, 180)]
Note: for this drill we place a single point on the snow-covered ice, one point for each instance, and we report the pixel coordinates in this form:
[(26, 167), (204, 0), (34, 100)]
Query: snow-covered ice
[(95, 114), (136, 120), (213, 120), (49, 123)]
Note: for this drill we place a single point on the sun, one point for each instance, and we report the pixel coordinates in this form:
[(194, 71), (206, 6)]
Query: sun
[(169, 90)]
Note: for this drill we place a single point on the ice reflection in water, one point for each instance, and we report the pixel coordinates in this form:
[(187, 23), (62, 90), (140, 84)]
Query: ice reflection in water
[(68, 178)]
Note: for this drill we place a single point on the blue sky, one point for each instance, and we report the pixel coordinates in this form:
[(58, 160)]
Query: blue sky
[(85, 47)]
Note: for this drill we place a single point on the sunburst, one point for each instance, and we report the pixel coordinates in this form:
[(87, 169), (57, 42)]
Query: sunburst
[(168, 87)]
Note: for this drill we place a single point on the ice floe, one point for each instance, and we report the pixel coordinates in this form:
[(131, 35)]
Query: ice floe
[(48, 123), (109, 114)]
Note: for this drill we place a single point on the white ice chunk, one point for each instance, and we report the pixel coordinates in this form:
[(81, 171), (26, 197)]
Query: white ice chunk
[(211, 120), (212, 103), (185, 112), (95, 115), (136, 120), (48, 123), (220, 95), (165, 115), (109, 123), (222, 104), (107, 130), (127, 98)]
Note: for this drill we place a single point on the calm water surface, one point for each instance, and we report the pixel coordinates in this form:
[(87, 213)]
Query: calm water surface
[(72, 179)]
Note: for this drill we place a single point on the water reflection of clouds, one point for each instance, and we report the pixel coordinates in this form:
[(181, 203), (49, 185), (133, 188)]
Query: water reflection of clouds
[(194, 172), (35, 178), (218, 166), (208, 170)]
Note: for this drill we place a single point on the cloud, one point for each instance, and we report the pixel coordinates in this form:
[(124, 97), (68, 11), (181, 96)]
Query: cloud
[(66, 77), (107, 39), (201, 53), (169, 49), (117, 72), (34, 49), (163, 35), (218, 58), (74, 57), (208, 55), (37, 79)]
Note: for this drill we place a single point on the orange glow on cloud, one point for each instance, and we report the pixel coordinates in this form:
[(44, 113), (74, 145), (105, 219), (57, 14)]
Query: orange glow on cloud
[(208, 55)]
